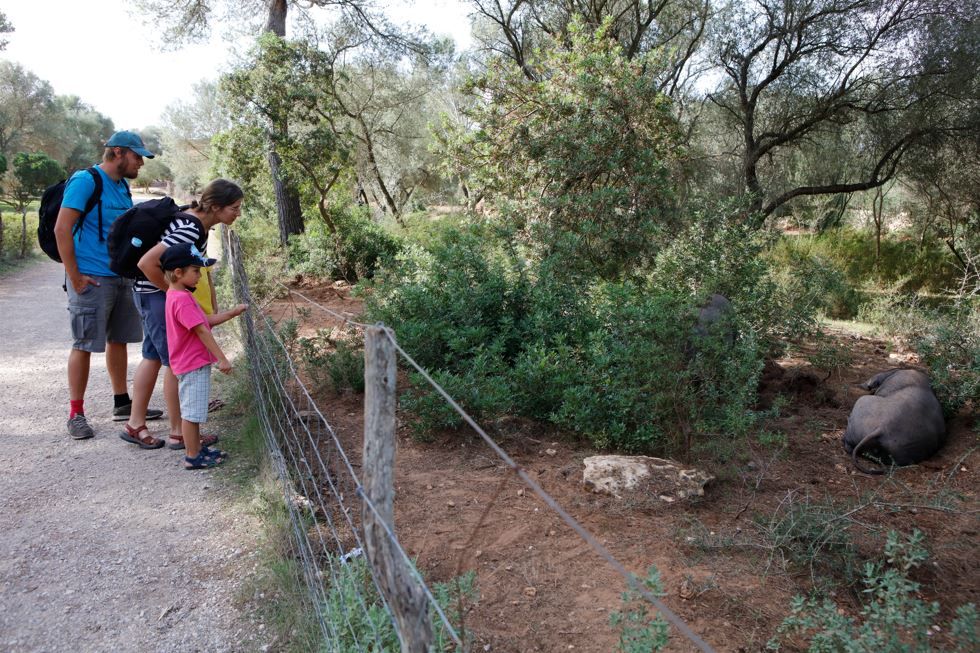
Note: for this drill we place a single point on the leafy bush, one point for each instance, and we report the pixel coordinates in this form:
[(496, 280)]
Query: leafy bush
[(580, 162), (925, 265), (361, 622), (609, 360), (951, 351), (811, 534), (639, 631), (337, 363), (354, 252), (947, 338), (720, 252), (804, 271), (452, 302), (894, 619)]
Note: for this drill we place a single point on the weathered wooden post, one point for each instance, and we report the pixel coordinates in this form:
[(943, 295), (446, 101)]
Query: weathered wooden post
[(402, 591)]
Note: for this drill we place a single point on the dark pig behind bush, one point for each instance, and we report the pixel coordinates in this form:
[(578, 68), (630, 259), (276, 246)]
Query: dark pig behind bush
[(716, 313), (900, 420)]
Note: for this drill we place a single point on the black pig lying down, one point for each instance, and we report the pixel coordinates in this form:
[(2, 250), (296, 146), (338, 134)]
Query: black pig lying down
[(900, 420)]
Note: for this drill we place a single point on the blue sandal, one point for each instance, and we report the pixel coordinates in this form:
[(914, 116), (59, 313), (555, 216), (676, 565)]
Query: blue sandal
[(206, 459)]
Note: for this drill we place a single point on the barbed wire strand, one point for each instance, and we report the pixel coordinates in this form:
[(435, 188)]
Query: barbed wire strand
[(343, 318), (631, 579)]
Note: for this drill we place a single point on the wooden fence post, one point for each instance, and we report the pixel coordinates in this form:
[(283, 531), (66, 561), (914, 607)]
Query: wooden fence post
[(401, 589)]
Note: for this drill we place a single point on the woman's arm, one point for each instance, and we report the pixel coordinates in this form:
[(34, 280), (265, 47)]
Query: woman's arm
[(214, 296), (150, 266)]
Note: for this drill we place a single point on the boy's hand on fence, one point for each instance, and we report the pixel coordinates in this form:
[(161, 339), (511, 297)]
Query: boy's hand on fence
[(238, 310), (224, 366)]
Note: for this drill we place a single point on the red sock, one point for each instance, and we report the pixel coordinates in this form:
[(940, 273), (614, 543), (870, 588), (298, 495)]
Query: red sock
[(77, 407)]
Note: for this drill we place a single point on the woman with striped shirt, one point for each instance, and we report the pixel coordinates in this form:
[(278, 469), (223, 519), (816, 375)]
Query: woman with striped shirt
[(220, 203)]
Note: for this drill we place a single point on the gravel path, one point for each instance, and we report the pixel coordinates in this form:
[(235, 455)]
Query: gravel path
[(105, 547)]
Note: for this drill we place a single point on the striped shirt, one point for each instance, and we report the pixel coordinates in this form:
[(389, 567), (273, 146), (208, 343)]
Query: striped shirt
[(184, 228)]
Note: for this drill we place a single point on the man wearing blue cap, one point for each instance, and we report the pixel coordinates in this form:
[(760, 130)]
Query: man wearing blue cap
[(103, 316)]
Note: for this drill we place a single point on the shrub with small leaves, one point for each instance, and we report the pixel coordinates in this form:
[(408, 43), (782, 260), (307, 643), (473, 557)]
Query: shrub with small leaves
[(894, 619), (337, 363), (639, 631)]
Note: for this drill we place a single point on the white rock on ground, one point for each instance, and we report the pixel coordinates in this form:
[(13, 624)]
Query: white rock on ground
[(105, 547)]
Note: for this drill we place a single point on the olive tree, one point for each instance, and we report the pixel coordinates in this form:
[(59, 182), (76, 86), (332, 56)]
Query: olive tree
[(32, 173), (795, 71), (578, 164)]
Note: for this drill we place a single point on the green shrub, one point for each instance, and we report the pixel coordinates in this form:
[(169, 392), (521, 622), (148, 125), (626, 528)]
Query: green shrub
[(947, 338), (639, 631), (361, 622), (805, 272), (335, 363), (634, 384), (925, 265), (354, 252), (452, 302), (950, 349), (810, 534), (894, 619), (720, 252), (608, 360)]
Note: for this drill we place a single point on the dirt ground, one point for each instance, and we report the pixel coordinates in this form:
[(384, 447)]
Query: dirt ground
[(542, 588)]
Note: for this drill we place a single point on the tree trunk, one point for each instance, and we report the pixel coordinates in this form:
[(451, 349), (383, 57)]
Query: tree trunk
[(288, 208), (23, 233), (878, 215), (287, 200), (276, 22), (369, 147), (1, 234)]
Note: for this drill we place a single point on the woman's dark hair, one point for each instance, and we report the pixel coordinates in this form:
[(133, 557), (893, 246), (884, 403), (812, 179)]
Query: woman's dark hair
[(219, 194)]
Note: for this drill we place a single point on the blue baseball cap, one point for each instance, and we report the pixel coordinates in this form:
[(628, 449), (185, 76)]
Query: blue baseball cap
[(131, 140), (183, 255)]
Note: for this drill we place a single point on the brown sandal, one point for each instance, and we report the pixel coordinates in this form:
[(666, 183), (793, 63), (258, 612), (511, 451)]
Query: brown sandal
[(177, 441), (145, 442)]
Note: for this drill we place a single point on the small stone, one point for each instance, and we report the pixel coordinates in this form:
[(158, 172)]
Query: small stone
[(520, 492), (451, 504), (551, 452), (530, 592)]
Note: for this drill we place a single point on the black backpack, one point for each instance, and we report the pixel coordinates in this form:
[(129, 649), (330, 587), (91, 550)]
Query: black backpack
[(48, 213), (137, 231)]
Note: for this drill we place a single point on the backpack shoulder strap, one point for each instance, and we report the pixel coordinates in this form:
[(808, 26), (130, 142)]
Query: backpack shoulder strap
[(94, 199)]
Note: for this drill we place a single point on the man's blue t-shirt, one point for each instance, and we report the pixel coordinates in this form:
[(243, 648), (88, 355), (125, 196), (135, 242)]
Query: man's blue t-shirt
[(93, 254)]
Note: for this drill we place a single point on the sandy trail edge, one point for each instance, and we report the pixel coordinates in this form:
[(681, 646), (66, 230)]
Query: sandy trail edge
[(103, 546)]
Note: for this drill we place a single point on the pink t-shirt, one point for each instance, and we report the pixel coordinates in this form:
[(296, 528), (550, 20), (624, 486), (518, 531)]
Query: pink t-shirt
[(187, 352)]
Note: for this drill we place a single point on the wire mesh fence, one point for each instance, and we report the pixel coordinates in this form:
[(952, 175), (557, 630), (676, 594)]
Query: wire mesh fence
[(364, 590)]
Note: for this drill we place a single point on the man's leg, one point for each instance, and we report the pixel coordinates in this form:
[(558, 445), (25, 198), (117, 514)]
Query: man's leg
[(116, 362), (78, 366)]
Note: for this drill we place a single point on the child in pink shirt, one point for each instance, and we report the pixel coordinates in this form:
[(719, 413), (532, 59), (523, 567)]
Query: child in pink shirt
[(192, 348)]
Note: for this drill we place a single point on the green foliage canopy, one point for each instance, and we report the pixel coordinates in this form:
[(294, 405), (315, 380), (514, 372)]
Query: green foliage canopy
[(33, 172), (579, 163)]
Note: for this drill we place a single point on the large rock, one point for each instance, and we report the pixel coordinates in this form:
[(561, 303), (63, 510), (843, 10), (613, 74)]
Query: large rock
[(664, 479)]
